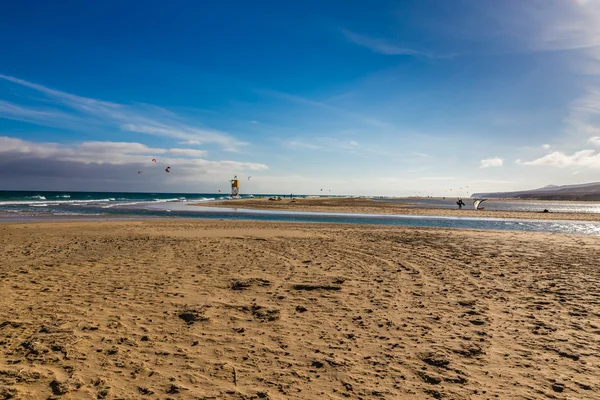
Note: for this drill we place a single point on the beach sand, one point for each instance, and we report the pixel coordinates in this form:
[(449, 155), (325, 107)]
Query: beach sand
[(368, 206), (254, 310)]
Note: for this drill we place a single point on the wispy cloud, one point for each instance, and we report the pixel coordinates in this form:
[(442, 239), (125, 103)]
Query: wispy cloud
[(546, 146), (304, 145), (191, 142), (583, 158), (584, 112), (595, 140), (438, 178), (570, 26), (328, 144), (338, 111), (493, 162), (382, 46), (14, 111), (119, 153), (564, 25), (73, 112)]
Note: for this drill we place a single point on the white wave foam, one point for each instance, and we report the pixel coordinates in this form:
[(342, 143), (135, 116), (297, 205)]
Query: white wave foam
[(32, 202), (76, 213), (165, 200)]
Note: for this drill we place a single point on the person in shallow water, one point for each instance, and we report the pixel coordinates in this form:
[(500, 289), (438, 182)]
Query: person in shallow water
[(460, 203)]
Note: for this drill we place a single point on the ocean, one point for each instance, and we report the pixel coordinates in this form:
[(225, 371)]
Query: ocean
[(505, 205), (36, 205), (90, 203)]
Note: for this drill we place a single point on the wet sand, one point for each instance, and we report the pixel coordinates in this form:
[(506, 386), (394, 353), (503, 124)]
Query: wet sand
[(253, 310), (368, 206)]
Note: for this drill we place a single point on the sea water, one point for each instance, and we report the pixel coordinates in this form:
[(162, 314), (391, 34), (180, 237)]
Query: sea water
[(86, 203), (23, 206), (503, 205)]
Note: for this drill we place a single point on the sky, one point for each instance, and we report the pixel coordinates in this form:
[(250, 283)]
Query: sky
[(397, 98)]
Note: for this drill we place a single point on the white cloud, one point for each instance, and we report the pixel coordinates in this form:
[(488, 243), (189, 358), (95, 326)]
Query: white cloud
[(438, 178), (568, 25), (491, 162), (546, 146), (119, 153), (77, 112), (328, 144), (182, 133), (382, 46), (583, 158), (546, 25), (187, 152), (191, 142), (19, 113), (595, 140), (297, 143), (583, 115)]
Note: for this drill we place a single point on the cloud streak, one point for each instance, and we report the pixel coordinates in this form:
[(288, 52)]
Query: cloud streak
[(583, 158), (595, 140), (382, 46), (493, 162), (304, 145), (84, 111), (341, 112), (328, 144), (568, 25), (121, 153)]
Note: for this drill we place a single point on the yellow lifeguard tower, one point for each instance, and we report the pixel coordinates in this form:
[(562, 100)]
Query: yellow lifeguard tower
[(235, 187)]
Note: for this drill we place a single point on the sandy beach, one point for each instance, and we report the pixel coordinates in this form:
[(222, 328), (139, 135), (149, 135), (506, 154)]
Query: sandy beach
[(368, 206), (185, 309)]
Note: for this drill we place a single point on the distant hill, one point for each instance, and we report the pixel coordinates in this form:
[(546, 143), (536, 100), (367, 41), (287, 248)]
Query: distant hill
[(583, 192)]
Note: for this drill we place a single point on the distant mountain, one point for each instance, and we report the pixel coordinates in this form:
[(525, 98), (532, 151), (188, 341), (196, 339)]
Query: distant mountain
[(583, 192)]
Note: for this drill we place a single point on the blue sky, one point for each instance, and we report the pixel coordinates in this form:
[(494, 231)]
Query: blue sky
[(382, 97)]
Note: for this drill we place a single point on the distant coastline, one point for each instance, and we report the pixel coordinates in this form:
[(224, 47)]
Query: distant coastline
[(581, 192)]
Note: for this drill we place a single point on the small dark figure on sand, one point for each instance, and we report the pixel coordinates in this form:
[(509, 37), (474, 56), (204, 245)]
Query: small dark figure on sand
[(460, 204)]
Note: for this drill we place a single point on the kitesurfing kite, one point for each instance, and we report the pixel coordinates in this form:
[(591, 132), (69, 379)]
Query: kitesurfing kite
[(168, 169), (249, 177), (154, 160), (477, 202), (139, 172)]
